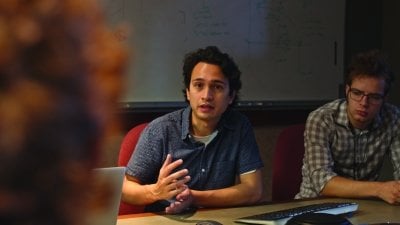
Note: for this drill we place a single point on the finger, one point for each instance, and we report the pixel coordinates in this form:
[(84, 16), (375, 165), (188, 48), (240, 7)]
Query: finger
[(169, 166), (167, 161), (173, 165), (184, 195), (184, 180), (179, 176), (181, 184), (171, 208), (165, 164), (174, 189)]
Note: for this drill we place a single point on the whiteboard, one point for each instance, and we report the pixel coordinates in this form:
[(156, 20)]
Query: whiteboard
[(287, 50)]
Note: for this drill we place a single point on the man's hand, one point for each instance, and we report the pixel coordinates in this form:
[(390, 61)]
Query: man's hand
[(183, 201), (390, 192), (169, 185)]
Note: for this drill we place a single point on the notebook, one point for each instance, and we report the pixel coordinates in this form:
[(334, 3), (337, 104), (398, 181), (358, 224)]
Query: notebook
[(108, 215)]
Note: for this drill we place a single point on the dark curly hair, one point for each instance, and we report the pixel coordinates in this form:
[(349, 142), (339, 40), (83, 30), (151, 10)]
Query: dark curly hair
[(372, 63), (213, 55)]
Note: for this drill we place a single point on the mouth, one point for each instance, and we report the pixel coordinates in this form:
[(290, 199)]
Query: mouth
[(206, 108), (362, 113)]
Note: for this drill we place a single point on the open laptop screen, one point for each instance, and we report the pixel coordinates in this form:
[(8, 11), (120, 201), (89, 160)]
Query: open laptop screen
[(113, 177)]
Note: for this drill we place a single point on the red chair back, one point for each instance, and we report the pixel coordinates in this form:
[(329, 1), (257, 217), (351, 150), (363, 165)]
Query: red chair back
[(287, 163), (127, 147)]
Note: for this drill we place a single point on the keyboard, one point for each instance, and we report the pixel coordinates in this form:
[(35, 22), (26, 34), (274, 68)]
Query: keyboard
[(282, 216)]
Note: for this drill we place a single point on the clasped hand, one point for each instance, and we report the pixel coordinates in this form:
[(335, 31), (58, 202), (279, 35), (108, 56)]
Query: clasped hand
[(172, 186), (390, 192)]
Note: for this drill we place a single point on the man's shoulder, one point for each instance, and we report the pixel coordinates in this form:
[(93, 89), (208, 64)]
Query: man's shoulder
[(391, 112), (392, 109), (173, 118), (329, 109), (233, 113), (235, 117)]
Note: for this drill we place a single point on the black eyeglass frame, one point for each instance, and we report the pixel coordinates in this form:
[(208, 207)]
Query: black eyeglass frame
[(372, 98)]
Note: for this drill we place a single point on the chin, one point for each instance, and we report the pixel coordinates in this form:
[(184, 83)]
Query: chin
[(364, 122)]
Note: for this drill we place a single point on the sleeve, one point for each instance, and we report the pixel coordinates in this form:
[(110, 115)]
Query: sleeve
[(250, 158), (147, 158), (318, 162), (395, 151)]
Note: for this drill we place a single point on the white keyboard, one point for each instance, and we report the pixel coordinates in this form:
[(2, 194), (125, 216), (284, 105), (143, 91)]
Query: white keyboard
[(282, 216)]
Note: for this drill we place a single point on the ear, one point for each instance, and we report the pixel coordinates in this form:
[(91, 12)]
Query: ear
[(347, 90), (232, 96), (187, 94)]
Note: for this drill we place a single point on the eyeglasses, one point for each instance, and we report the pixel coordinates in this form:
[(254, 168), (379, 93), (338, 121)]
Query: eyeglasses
[(373, 98)]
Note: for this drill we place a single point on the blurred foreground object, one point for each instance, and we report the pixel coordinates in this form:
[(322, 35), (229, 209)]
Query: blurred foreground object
[(60, 77)]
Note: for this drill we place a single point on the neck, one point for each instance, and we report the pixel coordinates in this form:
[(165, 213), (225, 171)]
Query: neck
[(203, 128), (360, 126)]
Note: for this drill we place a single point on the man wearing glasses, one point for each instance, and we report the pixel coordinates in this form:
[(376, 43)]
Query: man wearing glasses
[(346, 140)]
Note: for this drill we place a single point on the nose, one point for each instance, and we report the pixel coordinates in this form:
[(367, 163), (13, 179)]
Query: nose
[(207, 94), (364, 100)]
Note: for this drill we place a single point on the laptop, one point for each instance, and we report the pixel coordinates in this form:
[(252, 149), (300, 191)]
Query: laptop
[(112, 176)]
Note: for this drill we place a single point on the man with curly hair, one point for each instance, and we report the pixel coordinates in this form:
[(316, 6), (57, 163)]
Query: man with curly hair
[(204, 155)]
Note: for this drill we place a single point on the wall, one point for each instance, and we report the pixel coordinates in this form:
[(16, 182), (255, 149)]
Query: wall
[(391, 42), (391, 45)]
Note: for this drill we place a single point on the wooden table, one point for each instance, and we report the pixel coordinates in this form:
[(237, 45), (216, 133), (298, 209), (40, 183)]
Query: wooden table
[(369, 212)]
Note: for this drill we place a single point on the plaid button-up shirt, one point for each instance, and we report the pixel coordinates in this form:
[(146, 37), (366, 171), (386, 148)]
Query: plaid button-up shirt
[(334, 148)]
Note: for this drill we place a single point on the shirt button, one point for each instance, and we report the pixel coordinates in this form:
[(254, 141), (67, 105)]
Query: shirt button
[(203, 170)]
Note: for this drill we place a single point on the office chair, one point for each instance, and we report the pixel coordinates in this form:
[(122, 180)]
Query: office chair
[(287, 163), (127, 147)]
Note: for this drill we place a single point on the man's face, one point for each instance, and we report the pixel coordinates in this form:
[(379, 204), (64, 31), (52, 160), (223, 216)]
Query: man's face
[(208, 93), (365, 98)]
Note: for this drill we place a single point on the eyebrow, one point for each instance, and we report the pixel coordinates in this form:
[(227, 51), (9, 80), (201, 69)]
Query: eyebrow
[(366, 93), (212, 81)]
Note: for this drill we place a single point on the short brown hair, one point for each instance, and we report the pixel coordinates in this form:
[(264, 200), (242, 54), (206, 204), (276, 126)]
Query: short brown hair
[(372, 63)]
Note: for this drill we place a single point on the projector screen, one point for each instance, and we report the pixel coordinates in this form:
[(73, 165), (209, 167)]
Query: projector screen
[(289, 51)]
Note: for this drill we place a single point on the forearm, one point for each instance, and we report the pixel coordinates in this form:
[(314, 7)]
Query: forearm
[(347, 188), (137, 194), (249, 190), (232, 196)]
